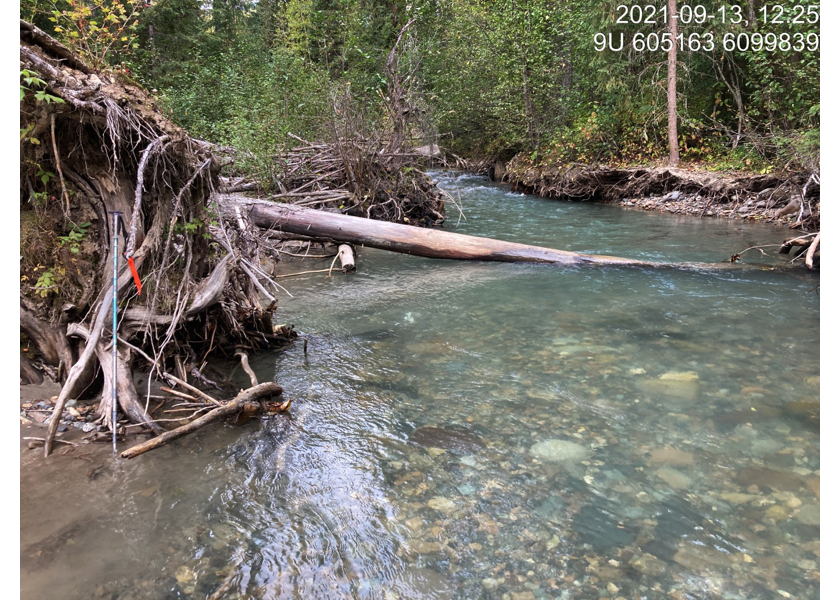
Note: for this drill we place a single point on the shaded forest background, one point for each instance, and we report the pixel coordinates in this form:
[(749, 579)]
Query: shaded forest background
[(489, 78)]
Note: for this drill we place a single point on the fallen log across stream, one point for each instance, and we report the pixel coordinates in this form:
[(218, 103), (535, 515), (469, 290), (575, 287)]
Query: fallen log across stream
[(419, 241)]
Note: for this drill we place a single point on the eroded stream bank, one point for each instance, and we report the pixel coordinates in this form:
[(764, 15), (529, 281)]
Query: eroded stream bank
[(474, 430), (791, 199)]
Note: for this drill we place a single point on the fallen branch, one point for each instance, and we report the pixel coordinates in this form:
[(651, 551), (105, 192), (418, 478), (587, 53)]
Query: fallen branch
[(305, 255), (177, 393), (809, 257), (247, 367), (42, 440), (302, 273), (177, 419), (195, 390), (251, 395)]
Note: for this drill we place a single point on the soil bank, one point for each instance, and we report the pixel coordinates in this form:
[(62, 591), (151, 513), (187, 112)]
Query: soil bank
[(791, 199)]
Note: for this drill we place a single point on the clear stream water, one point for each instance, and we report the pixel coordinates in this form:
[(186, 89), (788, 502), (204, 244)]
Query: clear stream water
[(476, 430)]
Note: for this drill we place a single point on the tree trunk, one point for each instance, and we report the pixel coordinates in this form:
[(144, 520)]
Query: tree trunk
[(406, 239), (673, 141)]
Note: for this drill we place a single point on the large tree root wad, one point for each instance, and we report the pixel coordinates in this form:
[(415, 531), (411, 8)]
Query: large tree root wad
[(245, 401), (355, 176), (115, 151)]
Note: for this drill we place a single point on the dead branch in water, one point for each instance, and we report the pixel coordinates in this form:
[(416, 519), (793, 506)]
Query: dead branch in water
[(195, 390), (247, 367), (245, 401), (809, 257)]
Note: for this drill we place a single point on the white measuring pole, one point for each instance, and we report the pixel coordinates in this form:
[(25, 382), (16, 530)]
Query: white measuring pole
[(114, 333)]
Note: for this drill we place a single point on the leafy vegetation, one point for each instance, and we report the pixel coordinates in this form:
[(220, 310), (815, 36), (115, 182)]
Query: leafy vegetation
[(74, 237), (31, 83), (498, 77)]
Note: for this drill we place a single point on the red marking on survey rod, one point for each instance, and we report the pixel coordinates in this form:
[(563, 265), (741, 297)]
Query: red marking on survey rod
[(135, 274)]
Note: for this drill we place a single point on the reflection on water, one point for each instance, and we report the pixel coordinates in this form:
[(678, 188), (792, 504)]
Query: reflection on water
[(470, 430)]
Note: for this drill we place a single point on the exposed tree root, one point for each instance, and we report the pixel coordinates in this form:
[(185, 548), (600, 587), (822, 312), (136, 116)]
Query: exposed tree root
[(28, 372), (127, 396), (114, 151), (793, 199), (51, 343), (78, 369), (246, 366)]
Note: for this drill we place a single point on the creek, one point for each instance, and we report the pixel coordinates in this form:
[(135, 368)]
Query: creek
[(467, 430)]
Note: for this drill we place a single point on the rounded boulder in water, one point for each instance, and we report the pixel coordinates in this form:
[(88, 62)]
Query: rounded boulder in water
[(559, 451)]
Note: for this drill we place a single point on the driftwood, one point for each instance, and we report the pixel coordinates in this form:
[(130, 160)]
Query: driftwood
[(809, 257), (195, 390), (406, 239), (430, 243), (247, 400), (247, 367), (347, 258), (802, 241)]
